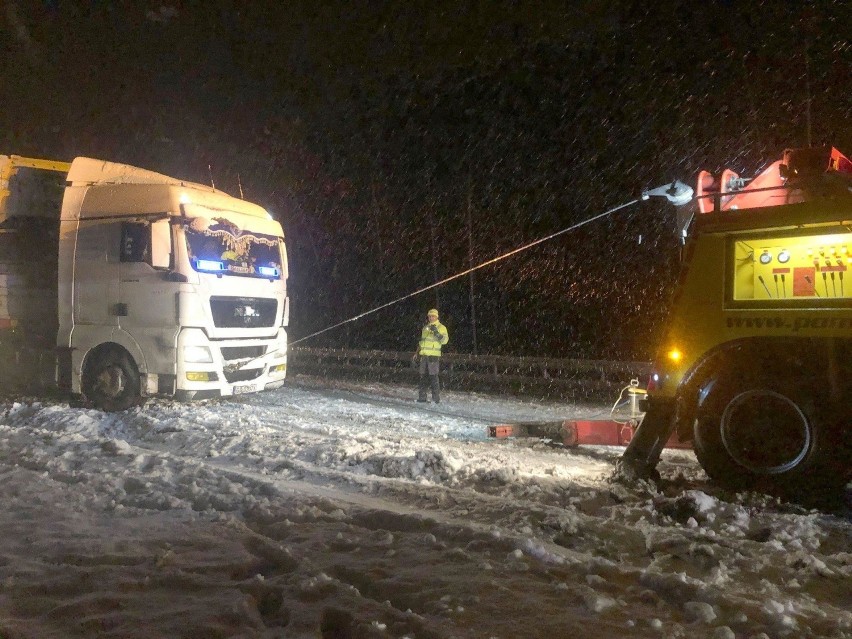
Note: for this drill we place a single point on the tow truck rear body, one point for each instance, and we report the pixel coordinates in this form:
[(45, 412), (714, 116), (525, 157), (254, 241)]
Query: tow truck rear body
[(755, 365)]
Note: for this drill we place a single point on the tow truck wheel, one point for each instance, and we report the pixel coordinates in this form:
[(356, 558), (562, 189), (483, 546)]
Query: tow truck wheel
[(111, 381), (763, 434)]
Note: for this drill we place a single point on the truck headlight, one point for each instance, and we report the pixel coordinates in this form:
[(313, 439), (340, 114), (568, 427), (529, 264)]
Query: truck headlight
[(197, 355)]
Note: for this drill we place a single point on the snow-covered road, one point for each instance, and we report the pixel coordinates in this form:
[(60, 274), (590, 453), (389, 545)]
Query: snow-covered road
[(341, 510)]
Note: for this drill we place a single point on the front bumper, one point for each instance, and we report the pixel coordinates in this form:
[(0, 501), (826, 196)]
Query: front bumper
[(238, 366)]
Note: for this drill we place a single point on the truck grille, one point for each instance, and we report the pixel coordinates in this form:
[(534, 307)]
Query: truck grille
[(243, 312), (243, 376), (242, 352)]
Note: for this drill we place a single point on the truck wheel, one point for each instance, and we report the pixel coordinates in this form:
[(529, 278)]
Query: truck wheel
[(111, 381), (764, 434)]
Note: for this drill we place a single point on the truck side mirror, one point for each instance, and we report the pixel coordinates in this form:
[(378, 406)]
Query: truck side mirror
[(161, 244)]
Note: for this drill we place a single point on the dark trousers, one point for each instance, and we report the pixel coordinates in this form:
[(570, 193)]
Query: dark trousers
[(429, 369)]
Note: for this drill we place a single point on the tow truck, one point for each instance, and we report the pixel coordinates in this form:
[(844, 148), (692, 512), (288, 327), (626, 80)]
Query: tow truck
[(754, 367)]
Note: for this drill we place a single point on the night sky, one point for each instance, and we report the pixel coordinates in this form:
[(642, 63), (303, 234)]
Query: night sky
[(386, 135)]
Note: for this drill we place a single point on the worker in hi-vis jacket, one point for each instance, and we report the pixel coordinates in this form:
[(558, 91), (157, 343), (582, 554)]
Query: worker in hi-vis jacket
[(433, 336)]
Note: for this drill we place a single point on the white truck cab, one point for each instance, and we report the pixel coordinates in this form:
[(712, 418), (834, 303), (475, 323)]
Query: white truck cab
[(165, 287)]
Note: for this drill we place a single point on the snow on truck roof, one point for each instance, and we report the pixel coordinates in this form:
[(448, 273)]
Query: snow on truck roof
[(93, 172)]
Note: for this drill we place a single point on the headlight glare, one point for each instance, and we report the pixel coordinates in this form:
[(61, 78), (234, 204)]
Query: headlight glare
[(197, 355)]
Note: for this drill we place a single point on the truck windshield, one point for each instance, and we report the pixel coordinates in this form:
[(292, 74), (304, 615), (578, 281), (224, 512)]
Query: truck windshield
[(224, 250)]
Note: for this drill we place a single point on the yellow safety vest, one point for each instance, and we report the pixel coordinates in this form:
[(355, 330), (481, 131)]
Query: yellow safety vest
[(430, 345)]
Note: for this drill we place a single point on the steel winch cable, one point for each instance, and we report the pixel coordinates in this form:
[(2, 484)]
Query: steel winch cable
[(494, 260), (676, 193)]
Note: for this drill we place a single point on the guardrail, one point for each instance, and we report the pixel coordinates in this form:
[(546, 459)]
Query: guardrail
[(539, 376)]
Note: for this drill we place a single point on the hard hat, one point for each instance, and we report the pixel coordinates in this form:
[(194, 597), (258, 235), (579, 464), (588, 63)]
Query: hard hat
[(432, 311)]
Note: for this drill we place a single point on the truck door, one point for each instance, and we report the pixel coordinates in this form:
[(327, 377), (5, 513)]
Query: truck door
[(95, 273), (146, 303)]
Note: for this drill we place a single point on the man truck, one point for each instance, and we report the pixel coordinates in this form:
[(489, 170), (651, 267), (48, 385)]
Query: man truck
[(118, 283), (755, 365)]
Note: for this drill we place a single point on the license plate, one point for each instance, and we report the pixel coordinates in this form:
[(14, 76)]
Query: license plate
[(245, 388)]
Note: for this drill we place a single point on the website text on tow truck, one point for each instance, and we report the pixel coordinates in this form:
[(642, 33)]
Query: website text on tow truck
[(791, 323)]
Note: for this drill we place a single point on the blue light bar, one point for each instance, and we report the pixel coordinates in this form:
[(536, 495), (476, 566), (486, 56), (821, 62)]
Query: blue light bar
[(267, 271), (209, 265)]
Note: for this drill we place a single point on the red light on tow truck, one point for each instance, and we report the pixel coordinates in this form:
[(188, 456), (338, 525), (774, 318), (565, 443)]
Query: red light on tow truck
[(652, 382)]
